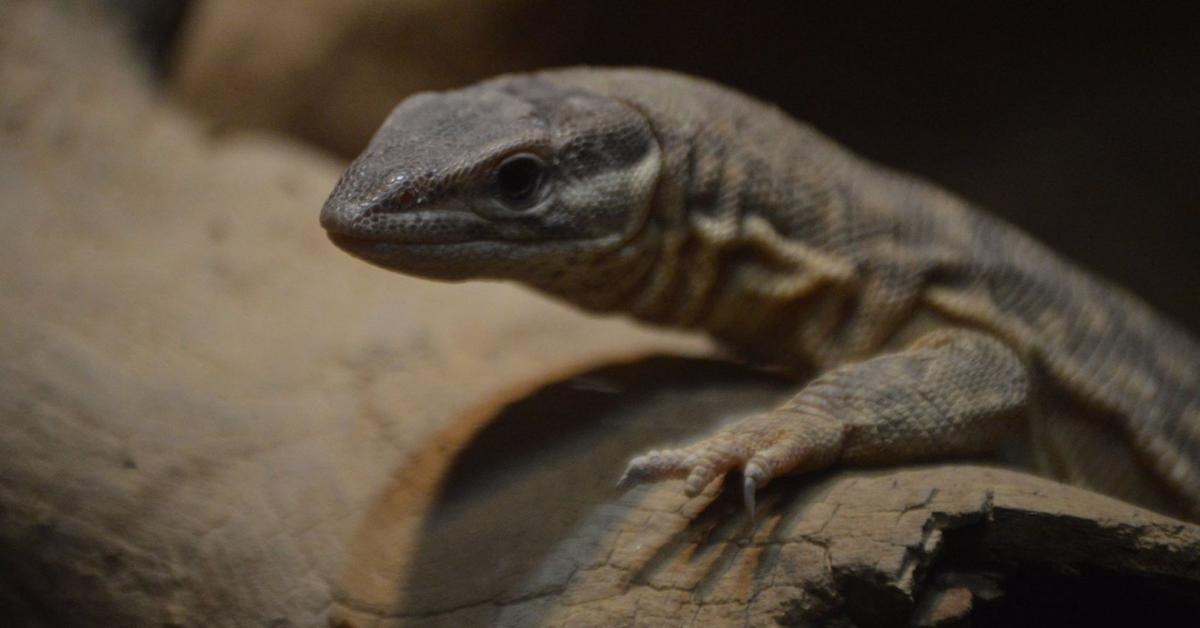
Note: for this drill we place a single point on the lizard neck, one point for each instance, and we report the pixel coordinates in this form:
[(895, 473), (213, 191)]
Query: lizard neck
[(747, 249), (762, 231)]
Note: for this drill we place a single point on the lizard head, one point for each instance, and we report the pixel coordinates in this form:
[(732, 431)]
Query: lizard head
[(520, 177)]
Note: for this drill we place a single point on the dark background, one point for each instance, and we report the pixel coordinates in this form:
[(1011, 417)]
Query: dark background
[(1078, 122)]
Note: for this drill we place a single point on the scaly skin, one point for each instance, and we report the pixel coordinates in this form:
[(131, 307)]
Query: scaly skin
[(936, 330)]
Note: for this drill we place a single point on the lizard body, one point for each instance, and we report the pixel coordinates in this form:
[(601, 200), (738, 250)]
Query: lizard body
[(935, 329)]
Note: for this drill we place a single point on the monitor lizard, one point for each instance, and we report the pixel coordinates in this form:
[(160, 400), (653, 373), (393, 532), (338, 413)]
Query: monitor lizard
[(934, 329)]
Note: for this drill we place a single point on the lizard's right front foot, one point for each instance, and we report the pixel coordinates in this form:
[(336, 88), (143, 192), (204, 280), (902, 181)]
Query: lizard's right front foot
[(762, 447)]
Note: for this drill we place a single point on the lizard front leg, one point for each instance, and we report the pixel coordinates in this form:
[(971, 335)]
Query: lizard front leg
[(950, 393)]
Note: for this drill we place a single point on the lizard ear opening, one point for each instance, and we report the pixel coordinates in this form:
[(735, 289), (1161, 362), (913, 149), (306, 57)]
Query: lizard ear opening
[(518, 180)]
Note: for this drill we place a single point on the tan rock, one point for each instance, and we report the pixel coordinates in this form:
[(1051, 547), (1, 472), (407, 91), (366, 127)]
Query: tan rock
[(254, 64)]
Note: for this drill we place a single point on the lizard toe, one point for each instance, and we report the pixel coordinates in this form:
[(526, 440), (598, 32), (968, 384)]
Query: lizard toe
[(651, 466), (749, 487), (754, 477)]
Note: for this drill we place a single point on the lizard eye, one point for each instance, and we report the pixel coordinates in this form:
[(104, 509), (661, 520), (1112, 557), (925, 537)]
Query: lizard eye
[(518, 179)]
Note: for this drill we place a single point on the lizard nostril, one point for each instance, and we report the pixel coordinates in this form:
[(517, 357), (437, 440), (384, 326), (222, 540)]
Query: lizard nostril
[(399, 201)]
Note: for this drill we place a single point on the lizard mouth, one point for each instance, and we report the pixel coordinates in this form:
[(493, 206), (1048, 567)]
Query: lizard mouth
[(353, 243), (375, 244), (376, 248), (427, 227), (436, 260)]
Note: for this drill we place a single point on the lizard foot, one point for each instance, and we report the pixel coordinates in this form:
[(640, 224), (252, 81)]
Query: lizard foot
[(762, 447)]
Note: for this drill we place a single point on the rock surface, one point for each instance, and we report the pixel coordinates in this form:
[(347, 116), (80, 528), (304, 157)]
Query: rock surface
[(254, 64), (212, 417)]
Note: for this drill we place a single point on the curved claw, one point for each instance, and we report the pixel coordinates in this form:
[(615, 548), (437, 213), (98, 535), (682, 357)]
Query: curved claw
[(749, 486), (630, 477)]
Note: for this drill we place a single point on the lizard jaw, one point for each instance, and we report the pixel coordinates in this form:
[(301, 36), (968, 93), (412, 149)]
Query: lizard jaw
[(463, 260), (444, 261), (448, 261)]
